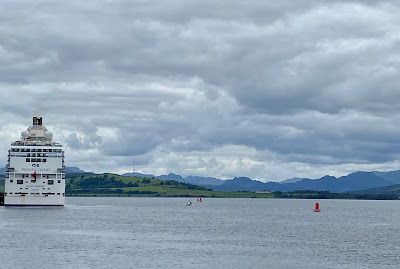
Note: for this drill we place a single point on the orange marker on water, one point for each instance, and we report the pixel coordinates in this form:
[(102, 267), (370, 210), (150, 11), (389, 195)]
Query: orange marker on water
[(316, 209)]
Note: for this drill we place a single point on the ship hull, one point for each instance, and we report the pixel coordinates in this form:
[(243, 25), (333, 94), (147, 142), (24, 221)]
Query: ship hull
[(34, 201)]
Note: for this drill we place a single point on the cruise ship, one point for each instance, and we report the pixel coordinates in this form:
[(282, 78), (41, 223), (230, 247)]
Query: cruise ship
[(35, 173)]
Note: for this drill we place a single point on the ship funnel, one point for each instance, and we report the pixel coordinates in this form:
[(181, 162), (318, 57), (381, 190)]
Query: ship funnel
[(37, 121)]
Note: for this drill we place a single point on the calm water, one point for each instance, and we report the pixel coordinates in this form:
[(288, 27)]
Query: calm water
[(217, 233)]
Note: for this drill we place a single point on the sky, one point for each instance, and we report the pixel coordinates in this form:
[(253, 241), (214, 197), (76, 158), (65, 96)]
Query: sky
[(268, 90)]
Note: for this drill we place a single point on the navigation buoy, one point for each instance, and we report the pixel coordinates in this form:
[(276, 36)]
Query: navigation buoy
[(199, 199), (316, 209)]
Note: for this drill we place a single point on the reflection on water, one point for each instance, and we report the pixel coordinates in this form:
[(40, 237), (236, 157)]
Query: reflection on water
[(217, 233)]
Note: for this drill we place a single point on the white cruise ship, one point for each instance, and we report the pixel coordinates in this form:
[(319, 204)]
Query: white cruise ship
[(35, 169)]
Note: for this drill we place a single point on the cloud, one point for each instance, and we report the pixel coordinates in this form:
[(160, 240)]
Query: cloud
[(265, 90)]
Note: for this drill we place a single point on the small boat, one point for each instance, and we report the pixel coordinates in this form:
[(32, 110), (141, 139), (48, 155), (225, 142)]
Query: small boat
[(189, 203)]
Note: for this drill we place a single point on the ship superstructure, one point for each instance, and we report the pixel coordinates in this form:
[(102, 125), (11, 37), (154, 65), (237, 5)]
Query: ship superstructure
[(35, 169)]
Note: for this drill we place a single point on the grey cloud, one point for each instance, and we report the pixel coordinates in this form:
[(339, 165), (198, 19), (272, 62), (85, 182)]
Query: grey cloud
[(312, 82)]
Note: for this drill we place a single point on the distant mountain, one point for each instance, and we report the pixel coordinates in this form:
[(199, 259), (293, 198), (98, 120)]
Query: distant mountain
[(393, 176), (201, 181), (392, 189), (241, 184), (137, 174), (292, 180), (351, 182), (373, 182), (73, 169), (171, 176)]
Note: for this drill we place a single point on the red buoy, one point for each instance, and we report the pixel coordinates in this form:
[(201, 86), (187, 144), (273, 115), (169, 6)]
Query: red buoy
[(199, 199), (316, 209)]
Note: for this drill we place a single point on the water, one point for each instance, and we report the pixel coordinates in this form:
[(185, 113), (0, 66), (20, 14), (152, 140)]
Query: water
[(217, 233)]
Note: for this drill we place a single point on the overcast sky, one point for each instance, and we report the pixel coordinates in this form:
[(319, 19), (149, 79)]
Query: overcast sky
[(265, 89)]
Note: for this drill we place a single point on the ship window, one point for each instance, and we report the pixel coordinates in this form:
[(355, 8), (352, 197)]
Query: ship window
[(58, 193), (59, 181), (33, 180), (11, 180), (39, 150), (44, 160), (50, 182), (28, 160), (33, 150), (20, 181)]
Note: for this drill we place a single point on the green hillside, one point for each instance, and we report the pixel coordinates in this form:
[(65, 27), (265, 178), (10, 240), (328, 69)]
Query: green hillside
[(116, 185)]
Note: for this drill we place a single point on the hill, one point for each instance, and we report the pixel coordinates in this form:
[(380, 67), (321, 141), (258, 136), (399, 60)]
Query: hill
[(393, 176), (353, 182), (242, 184), (203, 181), (388, 190), (117, 185)]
